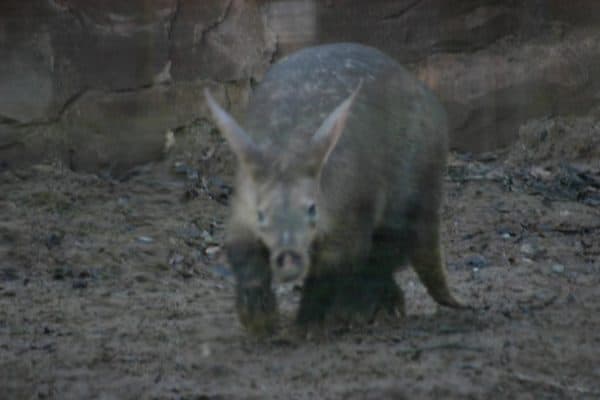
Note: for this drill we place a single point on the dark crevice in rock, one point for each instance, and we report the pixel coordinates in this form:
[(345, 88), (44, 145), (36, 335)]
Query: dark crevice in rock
[(228, 98), (275, 53), (73, 11), (8, 120), (400, 13), (137, 88), (219, 20), (170, 33), (53, 119), (6, 146), (71, 100), (458, 47), (182, 128), (274, 56)]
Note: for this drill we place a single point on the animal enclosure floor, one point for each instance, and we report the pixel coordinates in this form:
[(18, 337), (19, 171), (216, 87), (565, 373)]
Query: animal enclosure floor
[(118, 290)]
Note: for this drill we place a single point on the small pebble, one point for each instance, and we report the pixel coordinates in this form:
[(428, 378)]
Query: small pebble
[(60, 273), (80, 284), (540, 173), (532, 250), (222, 271), (207, 237), (212, 250), (140, 278), (192, 175), (477, 261), (527, 248), (558, 268), (176, 259), (145, 239), (9, 274), (505, 232), (53, 239), (192, 232), (180, 167), (206, 351)]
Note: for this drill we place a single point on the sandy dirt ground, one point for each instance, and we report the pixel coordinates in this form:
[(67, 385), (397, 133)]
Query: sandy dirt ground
[(118, 289)]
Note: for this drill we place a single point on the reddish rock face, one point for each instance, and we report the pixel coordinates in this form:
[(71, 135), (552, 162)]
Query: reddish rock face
[(103, 56), (133, 36), (490, 94), (220, 40), (495, 64)]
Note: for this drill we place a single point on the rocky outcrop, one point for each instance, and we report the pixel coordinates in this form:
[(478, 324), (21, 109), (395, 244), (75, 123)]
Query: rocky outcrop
[(220, 40), (98, 84), (494, 63), (490, 93), (116, 131)]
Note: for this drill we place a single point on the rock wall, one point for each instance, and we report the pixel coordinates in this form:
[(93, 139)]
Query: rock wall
[(99, 84), (494, 63)]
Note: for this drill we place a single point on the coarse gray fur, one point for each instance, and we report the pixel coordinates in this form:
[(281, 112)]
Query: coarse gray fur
[(379, 187)]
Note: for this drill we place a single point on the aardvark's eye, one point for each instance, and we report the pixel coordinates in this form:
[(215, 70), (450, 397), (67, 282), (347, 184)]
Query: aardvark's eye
[(261, 218), (311, 212)]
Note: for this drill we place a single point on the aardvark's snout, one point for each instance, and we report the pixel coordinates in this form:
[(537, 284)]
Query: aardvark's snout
[(288, 265)]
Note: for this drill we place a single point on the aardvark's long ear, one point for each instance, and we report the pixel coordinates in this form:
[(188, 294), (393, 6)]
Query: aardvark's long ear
[(324, 140), (246, 150)]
